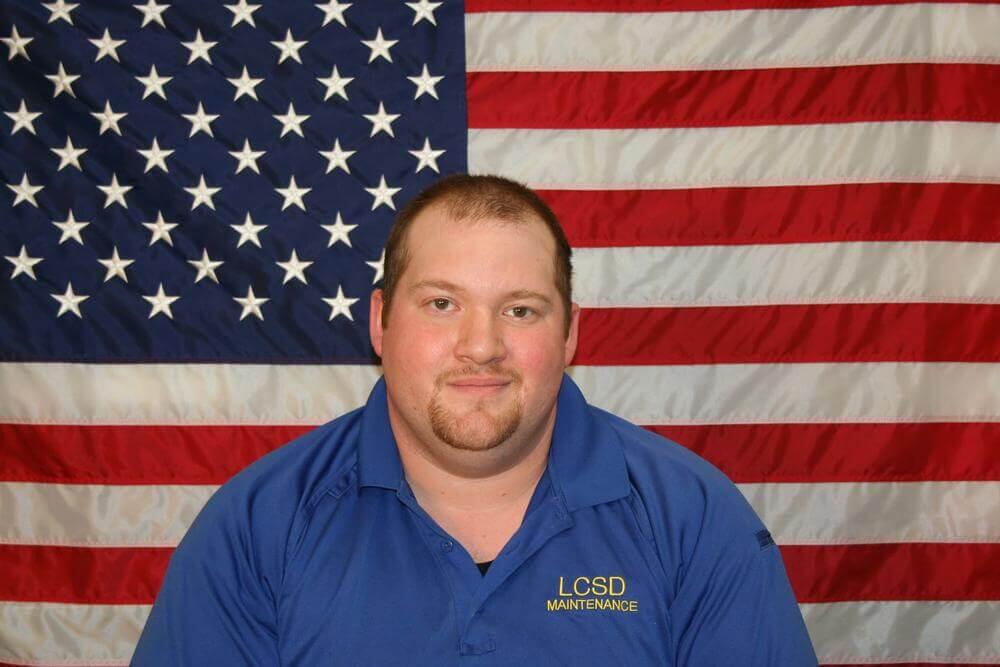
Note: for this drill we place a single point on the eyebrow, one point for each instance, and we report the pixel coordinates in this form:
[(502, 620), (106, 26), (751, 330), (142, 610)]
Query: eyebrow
[(452, 287)]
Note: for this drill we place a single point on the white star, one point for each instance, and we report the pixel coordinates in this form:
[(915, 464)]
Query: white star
[(151, 11), (291, 122), (71, 228), (294, 268), (251, 304), (289, 48), (340, 305), (62, 81), (202, 194), (382, 121), (199, 48), (153, 83), (335, 84), (383, 194), (16, 44), (337, 157), (23, 263), (247, 157), (25, 191), (334, 11), (160, 229), (155, 157), (60, 9), (425, 84), (206, 267), (427, 156), (248, 231), (69, 155), (379, 266), (423, 10), (245, 85), (243, 12), (116, 266), (109, 119), (339, 232), (379, 46), (161, 303), (201, 121), (115, 193), (23, 119), (69, 302), (106, 46), (293, 195)]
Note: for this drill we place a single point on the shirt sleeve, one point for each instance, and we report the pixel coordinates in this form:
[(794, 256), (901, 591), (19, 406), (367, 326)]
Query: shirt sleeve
[(215, 606), (736, 606)]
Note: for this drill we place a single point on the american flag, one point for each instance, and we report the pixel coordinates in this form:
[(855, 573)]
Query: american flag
[(787, 248)]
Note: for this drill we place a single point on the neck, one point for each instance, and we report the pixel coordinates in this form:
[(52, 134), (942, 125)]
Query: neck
[(477, 481)]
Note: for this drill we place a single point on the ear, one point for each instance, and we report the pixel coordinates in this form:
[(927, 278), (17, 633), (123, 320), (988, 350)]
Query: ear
[(574, 330), (375, 328)]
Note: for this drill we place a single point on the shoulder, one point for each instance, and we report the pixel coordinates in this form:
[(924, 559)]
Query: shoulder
[(262, 508), (687, 501)]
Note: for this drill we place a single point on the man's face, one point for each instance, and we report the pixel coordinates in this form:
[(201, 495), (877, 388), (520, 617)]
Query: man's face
[(475, 346)]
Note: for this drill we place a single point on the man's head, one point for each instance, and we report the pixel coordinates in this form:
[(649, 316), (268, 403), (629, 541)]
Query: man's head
[(475, 324), (474, 199)]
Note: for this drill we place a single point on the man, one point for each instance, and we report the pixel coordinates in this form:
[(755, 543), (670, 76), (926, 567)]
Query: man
[(476, 510)]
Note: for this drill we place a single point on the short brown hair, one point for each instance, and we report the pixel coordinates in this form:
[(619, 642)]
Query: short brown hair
[(474, 198)]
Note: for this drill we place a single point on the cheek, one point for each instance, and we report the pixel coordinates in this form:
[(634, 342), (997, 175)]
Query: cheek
[(416, 351), (540, 358)]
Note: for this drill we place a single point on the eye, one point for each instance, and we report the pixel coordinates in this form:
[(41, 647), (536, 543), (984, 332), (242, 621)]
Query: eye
[(440, 304), (520, 312)]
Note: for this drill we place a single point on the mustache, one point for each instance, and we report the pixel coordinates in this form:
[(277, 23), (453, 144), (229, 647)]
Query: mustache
[(501, 373)]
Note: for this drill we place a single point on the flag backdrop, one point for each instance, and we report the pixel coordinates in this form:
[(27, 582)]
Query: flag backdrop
[(785, 216)]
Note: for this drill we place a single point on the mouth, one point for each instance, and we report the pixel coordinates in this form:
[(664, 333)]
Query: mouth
[(482, 386)]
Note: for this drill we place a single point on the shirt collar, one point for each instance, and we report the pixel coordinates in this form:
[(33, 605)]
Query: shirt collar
[(378, 458), (586, 461)]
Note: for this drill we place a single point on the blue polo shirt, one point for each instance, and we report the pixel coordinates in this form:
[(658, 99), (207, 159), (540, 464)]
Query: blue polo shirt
[(633, 551)]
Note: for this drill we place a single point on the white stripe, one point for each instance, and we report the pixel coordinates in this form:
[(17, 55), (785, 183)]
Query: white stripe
[(795, 393), (61, 393), (837, 513), (91, 515), (764, 155), (891, 632), (799, 273), (563, 41), (878, 513), (842, 632), (685, 394), (34, 633)]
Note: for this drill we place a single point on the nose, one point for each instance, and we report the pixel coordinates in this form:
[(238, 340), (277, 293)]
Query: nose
[(480, 339)]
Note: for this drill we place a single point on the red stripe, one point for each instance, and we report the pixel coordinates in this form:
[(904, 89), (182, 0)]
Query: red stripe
[(745, 452), (712, 98), (478, 6), (894, 572), (788, 334), (81, 575), (818, 573), (787, 214), (134, 454), (898, 452)]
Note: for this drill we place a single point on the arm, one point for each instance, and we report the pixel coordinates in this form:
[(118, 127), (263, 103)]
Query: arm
[(736, 606), (215, 606)]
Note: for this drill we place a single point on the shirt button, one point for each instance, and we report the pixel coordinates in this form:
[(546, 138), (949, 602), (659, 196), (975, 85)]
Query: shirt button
[(447, 545)]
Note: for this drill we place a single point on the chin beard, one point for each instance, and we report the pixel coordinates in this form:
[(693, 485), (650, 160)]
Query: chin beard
[(477, 430)]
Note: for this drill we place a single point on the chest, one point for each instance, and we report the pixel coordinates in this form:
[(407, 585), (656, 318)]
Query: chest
[(584, 589)]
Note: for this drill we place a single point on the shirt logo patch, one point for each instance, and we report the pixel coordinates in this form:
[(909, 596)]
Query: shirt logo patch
[(599, 593)]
